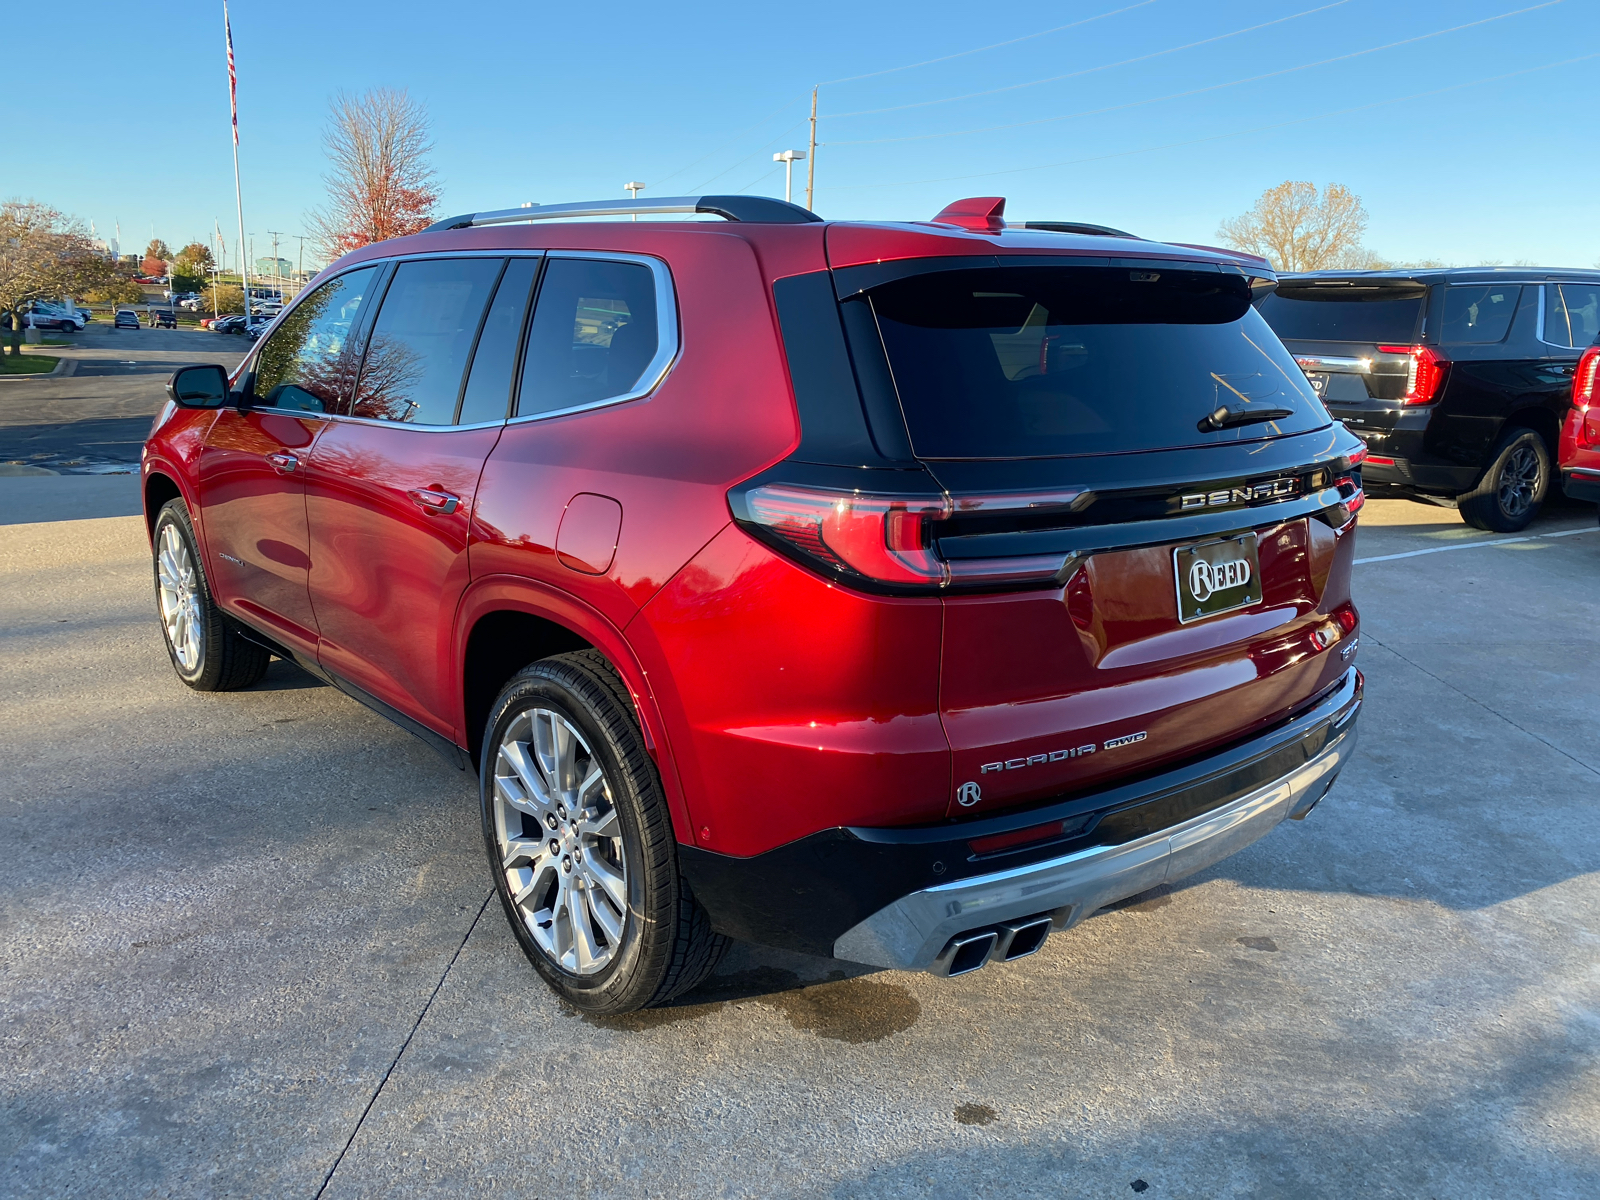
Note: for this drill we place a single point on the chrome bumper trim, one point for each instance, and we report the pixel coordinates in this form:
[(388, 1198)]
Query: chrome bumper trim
[(911, 933)]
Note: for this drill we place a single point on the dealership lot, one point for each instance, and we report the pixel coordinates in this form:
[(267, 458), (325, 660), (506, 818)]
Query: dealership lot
[(248, 950)]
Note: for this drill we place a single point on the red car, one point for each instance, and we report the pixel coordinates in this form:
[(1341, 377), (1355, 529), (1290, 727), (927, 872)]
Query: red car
[(898, 592), (1580, 432)]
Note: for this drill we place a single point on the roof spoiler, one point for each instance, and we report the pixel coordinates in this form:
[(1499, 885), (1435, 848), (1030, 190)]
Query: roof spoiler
[(752, 209)]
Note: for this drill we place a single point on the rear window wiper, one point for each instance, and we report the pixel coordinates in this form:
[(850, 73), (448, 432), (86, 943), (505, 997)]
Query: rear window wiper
[(1230, 418)]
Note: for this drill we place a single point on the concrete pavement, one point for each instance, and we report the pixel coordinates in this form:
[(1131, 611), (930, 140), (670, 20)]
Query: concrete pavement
[(246, 951)]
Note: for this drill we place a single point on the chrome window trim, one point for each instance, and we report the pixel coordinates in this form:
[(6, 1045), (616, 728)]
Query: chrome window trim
[(668, 339)]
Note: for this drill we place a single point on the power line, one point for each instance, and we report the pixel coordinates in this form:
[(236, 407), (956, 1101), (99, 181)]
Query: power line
[(1072, 162), (762, 150), (732, 140), (1094, 112), (997, 45), (865, 112)]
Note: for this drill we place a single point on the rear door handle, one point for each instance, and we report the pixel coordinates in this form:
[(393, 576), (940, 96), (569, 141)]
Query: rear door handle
[(285, 463), (433, 501)]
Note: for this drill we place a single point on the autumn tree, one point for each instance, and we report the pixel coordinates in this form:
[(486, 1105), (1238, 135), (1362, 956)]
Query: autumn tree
[(380, 185), (191, 267), (1299, 229), (44, 255)]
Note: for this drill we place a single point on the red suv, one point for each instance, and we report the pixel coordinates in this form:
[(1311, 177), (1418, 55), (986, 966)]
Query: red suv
[(897, 592), (1580, 432)]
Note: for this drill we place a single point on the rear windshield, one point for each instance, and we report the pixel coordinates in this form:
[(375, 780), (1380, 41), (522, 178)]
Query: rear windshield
[(1047, 361), (1356, 316)]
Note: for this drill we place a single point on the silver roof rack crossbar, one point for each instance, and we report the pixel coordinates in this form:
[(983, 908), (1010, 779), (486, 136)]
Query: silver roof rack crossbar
[(756, 209)]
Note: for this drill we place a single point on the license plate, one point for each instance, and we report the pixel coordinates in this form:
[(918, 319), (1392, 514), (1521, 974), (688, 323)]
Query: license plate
[(1319, 384), (1217, 577)]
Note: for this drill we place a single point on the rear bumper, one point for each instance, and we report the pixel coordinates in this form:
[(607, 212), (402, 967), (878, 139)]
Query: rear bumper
[(896, 897), (1581, 483), (914, 932)]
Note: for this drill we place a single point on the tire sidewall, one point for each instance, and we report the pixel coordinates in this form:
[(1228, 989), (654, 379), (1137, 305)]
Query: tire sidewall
[(542, 686), (1482, 506)]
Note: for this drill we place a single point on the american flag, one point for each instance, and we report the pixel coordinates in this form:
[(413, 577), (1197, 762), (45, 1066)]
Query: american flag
[(233, 78)]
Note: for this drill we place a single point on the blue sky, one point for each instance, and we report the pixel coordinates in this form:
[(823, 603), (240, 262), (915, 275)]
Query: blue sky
[(1162, 117)]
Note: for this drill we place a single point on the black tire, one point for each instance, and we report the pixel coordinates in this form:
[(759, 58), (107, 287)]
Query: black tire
[(666, 945), (1513, 489), (224, 661)]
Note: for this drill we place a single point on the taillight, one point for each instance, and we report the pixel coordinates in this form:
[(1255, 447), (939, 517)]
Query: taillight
[(1584, 398), (1351, 493), (1425, 375), (888, 540), (1583, 380)]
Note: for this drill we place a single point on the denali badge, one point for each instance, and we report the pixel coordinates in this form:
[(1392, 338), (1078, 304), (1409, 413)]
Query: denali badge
[(968, 795), (1277, 489)]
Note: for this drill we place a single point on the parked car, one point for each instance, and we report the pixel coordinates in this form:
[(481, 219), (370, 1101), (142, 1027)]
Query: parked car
[(1456, 379), (163, 318), (126, 318), (233, 323), (52, 316), (894, 592), (1579, 455)]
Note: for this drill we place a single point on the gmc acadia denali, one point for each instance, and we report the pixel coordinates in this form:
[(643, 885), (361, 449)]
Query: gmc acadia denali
[(897, 592)]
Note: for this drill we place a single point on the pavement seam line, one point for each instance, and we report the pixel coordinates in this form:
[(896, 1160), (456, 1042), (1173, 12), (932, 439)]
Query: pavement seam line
[(382, 1083), (1481, 704), (1532, 537)]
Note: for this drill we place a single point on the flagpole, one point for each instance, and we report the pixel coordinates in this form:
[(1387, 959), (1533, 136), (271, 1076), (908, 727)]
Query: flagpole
[(238, 194)]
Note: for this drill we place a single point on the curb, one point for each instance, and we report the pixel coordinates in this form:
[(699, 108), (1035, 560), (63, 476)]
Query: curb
[(63, 368)]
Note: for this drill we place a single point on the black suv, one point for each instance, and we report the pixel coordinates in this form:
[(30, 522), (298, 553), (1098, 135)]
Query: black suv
[(1456, 379)]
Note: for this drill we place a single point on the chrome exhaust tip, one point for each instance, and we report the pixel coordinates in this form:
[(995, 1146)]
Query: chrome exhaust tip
[(1018, 939), (966, 953)]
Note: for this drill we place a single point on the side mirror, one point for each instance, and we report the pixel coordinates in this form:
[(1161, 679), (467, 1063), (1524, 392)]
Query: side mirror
[(201, 386)]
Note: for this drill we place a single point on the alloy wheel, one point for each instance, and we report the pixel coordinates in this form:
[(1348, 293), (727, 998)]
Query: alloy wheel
[(560, 841), (178, 592), (1520, 478)]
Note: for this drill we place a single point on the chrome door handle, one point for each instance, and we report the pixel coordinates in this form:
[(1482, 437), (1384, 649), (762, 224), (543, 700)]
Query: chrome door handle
[(285, 463), (433, 501)]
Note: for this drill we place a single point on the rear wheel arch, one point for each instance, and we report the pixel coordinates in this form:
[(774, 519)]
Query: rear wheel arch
[(1542, 421), (500, 643)]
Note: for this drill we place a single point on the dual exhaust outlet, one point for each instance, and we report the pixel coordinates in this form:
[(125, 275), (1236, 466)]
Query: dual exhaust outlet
[(1009, 940)]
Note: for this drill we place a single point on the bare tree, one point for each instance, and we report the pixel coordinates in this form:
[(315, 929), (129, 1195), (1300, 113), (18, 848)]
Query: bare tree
[(1298, 229), (43, 256), (380, 185)]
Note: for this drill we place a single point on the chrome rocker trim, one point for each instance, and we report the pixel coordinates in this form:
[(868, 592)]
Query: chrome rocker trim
[(917, 932)]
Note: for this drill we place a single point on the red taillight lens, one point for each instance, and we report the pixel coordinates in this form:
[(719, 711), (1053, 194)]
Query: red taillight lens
[(888, 539), (1425, 376), (1351, 493), (1583, 381), (879, 537)]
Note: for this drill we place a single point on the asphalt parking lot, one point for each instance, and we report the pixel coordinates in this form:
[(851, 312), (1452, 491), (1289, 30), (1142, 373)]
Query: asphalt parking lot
[(247, 950)]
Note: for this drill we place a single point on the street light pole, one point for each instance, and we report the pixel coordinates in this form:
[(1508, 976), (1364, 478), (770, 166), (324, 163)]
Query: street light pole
[(633, 188), (787, 158), (811, 162)]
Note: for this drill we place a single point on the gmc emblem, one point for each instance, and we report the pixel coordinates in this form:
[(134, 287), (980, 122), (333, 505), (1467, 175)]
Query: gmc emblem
[(1277, 489)]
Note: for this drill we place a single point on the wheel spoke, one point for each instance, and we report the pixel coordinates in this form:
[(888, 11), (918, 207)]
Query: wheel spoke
[(516, 757), (604, 825), (608, 881), (583, 940)]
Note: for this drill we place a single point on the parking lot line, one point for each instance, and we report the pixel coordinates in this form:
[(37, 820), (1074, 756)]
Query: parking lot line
[(1534, 537)]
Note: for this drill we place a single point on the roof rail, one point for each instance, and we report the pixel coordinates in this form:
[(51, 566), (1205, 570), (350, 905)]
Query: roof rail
[(1072, 227), (754, 209)]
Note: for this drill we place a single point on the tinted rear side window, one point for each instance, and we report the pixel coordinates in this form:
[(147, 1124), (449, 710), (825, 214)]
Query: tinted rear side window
[(421, 340), (1571, 314), (1478, 314), (1045, 361), (1313, 316), (593, 334)]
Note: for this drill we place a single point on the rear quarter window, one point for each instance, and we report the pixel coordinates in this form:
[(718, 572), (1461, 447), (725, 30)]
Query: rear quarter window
[(1477, 314)]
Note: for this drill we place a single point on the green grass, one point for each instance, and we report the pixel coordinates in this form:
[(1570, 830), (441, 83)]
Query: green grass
[(27, 364)]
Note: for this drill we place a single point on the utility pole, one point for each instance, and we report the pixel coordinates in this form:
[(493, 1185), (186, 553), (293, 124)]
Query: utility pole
[(277, 263), (811, 156), (300, 264)]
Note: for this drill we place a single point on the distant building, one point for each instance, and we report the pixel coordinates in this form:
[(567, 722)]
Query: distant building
[(273, 266)]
